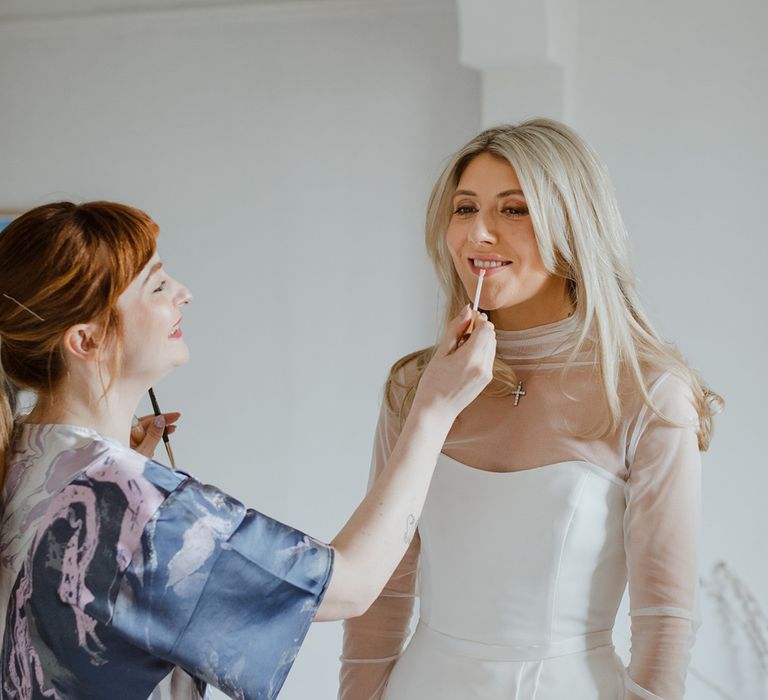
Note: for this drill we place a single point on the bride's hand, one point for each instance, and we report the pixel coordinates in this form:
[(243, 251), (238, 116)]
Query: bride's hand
[(458, 371), (145, 435)]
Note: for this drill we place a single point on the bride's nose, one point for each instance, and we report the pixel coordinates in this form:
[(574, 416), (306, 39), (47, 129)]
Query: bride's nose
[(483, 231)]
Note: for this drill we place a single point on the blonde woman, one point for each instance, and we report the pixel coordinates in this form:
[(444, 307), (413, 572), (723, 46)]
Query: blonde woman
[(575, 473)]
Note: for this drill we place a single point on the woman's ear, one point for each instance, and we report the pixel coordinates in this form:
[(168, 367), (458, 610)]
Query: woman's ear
[(82, 342)]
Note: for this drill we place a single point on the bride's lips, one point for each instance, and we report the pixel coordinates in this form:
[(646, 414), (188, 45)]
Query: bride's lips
[(488, 270)]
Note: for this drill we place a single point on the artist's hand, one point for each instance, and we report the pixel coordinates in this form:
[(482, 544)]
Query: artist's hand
[(146, 434), (458, 372)]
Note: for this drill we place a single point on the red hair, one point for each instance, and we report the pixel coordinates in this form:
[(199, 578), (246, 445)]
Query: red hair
[(67, 264)]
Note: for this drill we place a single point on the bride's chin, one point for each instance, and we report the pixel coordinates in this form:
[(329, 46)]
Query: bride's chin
[(494, 305)]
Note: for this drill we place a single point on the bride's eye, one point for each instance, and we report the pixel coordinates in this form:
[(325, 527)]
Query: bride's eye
[(515, 212), (161, 287), (465, 209)]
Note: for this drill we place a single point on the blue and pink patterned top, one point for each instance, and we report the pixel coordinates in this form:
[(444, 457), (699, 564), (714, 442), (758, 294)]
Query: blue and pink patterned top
[(120, 577)]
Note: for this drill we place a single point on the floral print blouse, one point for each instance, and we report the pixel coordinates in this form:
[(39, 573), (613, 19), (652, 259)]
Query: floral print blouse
[(122, 577)]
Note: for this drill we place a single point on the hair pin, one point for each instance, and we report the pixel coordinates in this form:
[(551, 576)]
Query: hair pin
[(26, 308)]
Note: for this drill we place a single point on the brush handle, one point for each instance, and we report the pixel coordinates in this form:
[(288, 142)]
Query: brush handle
[(157, 411)]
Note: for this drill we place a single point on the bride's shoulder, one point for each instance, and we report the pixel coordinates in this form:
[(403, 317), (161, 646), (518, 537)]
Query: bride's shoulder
[(666, 383), (404, 375), (670, 393), (409, 367)]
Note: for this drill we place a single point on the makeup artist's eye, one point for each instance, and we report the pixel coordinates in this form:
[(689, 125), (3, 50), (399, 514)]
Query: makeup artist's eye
[(161, 287), (465, 209)]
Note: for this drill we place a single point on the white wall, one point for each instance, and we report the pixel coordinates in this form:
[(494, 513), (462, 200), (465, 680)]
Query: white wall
[(672, 95), (287, 152), (287, 155)]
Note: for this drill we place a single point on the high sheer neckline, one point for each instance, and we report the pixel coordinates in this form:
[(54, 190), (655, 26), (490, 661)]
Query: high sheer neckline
[(550, 340)]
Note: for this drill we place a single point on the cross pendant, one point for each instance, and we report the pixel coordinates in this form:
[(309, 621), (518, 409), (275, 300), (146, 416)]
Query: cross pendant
[(518, 393)]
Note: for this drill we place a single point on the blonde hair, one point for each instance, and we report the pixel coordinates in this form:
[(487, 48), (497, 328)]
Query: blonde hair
[(581, 238)]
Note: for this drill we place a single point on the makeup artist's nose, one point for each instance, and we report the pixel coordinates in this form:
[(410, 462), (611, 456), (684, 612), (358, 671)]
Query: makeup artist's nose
[(185, 296)]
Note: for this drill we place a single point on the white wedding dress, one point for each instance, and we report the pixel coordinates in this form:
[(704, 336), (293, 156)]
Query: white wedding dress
[(521, 577), (528, 538)]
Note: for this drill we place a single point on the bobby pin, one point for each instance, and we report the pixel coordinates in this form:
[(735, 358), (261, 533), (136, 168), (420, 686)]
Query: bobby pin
[(26, 308)]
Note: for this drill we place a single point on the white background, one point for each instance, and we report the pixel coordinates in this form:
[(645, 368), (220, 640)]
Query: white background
[(287, 150)]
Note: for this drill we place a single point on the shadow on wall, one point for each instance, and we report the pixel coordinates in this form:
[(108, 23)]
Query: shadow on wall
[(735, 627), (733, 633)]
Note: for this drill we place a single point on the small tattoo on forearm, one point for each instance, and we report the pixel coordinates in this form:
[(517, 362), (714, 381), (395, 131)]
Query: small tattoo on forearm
[(410, 529)]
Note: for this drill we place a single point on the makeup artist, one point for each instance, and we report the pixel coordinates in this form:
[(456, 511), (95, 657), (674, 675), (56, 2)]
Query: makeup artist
[(120, 577)]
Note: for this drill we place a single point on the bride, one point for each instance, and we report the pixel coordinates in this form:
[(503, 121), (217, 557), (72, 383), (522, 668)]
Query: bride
[(575, 474)]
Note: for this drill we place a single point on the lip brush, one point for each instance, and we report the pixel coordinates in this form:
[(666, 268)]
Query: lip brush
[(156, 409), (476, 303)]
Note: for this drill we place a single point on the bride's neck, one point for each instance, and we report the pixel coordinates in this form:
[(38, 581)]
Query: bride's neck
[(532, 313)]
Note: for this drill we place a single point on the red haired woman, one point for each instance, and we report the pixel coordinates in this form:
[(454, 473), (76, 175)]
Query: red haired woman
[(116, 572)]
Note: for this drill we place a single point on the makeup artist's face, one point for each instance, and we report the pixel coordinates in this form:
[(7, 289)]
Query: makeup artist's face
[(151, 310), (491, 229)]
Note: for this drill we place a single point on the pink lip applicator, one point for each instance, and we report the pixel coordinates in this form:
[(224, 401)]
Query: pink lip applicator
[(476, 303)]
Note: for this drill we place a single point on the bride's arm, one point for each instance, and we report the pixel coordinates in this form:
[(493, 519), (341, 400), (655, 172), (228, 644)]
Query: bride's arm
[(661, 540), (373, 641)]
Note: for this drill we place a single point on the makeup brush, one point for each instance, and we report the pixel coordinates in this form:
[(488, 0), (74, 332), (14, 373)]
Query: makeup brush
[(476, 303), (156, 409)]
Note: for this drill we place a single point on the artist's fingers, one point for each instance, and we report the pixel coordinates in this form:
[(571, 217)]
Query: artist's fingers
[(483, 338), (478, 316), (170, 419), (137, 432), (154, 433), (141, 425), (456, 328)]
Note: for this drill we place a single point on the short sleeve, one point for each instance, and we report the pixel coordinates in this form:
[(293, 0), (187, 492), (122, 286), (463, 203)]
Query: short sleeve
[(136, 570), (209, 585), (219, 589), (661, 531)]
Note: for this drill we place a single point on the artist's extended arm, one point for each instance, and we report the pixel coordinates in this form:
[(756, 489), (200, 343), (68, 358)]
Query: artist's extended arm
[(375, 538), (374, 641)]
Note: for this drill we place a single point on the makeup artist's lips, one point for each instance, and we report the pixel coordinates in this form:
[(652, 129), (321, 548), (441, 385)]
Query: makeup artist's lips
[(490, 265), (177, 333)]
